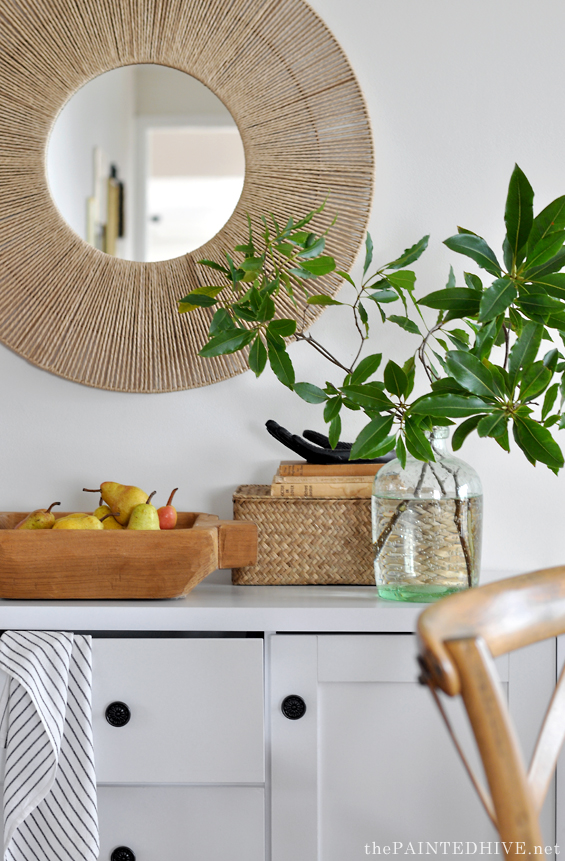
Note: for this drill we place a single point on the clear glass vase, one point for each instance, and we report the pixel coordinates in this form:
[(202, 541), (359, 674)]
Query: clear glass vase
[(427, 525)]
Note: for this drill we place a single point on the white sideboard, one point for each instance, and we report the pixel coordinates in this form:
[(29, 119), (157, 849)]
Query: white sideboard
[(209, 767)]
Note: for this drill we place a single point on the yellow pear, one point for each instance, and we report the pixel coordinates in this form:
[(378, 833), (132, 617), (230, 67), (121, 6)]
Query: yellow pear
[(120, 497), (144, 516), (42, 518), (107, 518), (78, 520)]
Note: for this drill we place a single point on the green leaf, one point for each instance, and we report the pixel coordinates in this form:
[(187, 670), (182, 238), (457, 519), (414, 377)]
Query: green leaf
[(322, 299), (373, 438), (332, 408), (553, 284), (409, 255), (450, 406), (538, 304), (417, 442), (537, 443), (544, 250), (535, 381), (549, 220), (257, 356), (281, 365), (460, 299), (525, 350), (368, 253), (366, 368), (201, 297), (519, 211), (319, 266), (368, 396), (283, 327), (384, 296), (471, 373), (364, 317), (550, 359), (463, 431), (554, 265), (310, 393), (221, 322), (477, 249), (409, 369), (401, 451), (252, 264), (334, 431), (213, 265), (485, 339), (226, 342), (494, 425), (346, 276), (447, 385), (459, 338), (396, 381), (266, 310), (286, 248), (473, 282), (405, 323), (549, 400), (313, 250), (497, 299), (403, 280)]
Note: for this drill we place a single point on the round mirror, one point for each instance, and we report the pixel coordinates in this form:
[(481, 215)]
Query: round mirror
[(145, 163)]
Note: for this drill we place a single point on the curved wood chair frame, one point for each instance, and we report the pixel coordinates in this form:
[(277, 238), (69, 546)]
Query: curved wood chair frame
[(459, 638)]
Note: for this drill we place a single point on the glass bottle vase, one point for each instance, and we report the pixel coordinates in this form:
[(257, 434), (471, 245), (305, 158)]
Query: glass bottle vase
[(427, 525)]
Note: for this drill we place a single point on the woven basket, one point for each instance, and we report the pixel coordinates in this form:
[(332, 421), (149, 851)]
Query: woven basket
[(306, 541)]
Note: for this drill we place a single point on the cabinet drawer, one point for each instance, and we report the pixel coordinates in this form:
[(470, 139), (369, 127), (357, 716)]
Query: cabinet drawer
[(196, 710), (183, 822)]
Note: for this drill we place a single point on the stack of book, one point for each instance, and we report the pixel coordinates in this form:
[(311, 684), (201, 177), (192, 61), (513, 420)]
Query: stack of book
[(298, 479)]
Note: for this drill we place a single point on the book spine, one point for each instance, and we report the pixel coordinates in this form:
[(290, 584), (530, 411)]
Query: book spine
[(332, 469), (313, 490), (323, 479)]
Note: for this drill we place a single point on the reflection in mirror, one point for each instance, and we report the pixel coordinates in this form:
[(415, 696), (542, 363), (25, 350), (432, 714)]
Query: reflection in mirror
[(145, 163)]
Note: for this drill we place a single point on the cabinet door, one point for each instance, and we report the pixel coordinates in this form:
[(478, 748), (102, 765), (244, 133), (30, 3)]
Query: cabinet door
[(370, 764), (184, 823), (196, 710)]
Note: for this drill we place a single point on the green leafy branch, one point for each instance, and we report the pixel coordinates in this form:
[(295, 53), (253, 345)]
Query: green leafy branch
[(522, 306)]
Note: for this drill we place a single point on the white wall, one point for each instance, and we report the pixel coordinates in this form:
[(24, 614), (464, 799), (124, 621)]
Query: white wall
[(457, 92)]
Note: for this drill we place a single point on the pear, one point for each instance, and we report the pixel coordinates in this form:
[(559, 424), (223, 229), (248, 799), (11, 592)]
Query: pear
[(144, 516), (107, 518), (168, 513), (120, 497), (78, 520), (42, 518)]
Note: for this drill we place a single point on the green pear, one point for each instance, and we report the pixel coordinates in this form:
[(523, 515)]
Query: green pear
[(120, 497), (144, 516), (42, 518), (78, 520)]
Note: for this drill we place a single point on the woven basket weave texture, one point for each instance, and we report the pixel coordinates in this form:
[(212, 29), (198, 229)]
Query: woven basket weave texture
[(306, 541)]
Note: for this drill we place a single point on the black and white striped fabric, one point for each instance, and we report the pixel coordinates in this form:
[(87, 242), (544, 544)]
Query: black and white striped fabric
[(46, 726)]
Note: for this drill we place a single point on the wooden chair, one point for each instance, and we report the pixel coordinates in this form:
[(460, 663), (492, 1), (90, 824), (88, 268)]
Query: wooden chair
[(458, 639)]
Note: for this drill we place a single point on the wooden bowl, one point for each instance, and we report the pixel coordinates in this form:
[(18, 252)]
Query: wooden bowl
[(111, 563)]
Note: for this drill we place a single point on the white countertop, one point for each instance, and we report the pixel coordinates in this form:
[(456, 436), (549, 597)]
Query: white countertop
[(216, 605)]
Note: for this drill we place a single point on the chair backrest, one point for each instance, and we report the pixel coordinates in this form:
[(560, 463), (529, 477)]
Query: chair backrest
[(459, 637)]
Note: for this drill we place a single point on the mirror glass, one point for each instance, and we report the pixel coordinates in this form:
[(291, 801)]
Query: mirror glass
[(145, 163)]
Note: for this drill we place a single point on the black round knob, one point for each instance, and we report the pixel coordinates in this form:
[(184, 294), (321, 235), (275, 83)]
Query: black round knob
[(118, 714), (122, 853), (293, 707)]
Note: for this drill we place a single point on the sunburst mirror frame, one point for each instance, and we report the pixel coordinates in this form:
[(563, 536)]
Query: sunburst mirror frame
[(113, 324)]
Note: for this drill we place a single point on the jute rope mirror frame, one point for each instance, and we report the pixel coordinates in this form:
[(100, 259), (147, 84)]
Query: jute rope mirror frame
[(111, 323)]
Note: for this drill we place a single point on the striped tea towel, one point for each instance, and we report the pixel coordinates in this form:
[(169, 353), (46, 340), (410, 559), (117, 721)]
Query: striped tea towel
[(46, 726)]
